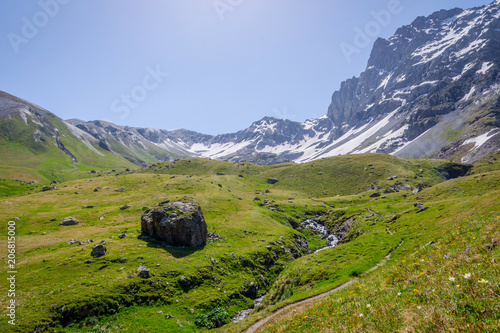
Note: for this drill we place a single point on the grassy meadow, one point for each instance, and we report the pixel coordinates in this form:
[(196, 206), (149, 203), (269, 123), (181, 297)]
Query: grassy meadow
[(261, 252)]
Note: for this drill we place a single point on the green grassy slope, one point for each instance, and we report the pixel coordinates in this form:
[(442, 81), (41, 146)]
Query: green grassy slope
[(28, 156), (463, 213), (68, 294)]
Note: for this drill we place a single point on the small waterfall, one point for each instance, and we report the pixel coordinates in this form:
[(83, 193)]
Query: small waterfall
[(314, 225), (244, 313)]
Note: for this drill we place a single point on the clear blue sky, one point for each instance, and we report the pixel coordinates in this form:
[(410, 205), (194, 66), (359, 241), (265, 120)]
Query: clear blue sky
[(229, 62)]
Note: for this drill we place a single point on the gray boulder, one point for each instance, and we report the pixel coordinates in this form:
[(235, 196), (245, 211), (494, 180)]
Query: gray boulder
[(271, 181), (143, 271), (420, 207), (419, 188), (98, 250), (70, 220), (177, 223)]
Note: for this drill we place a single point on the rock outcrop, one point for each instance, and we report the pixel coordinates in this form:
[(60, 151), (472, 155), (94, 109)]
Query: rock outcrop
[(177, 223)]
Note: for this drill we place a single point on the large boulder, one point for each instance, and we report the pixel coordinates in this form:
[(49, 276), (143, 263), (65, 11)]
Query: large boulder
[(177, 223), (70, 220)]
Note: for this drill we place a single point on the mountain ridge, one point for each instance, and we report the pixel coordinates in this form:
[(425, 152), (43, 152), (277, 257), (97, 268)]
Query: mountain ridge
[(432, 89)]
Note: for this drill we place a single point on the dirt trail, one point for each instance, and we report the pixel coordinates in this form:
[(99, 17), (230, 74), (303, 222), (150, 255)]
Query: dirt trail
[(258, 324)]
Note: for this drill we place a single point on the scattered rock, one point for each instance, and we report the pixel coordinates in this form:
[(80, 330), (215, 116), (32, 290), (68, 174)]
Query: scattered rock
[(70, 220), (124, 207), (53, 219), (98, 250), (221, 174), (168, 316), (420, 207), (104, 242), (73, 241), (213, 236), (267, 191), (184, 281), (89, 261), (86, 241), (375, 195), (120, 190), (121, 260), (121, 236), (178, 223), (401, 187), (48, 188), (143, 272), (89, 206), (418, 189), (272, 181)]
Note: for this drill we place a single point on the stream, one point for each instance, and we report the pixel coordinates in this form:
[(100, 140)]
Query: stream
[(331, 239), (244, 313), (311, 224)]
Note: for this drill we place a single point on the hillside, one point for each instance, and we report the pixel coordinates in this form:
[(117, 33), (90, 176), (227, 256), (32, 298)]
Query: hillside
[(263, 249), (36, 145)]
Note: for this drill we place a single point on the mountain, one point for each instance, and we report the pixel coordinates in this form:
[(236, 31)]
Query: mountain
[(432, 89), (35, 142)]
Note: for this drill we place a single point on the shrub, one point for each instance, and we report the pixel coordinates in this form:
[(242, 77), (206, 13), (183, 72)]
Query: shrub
[(215, 318)]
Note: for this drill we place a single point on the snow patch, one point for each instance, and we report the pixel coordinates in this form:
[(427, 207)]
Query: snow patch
[(478, 141), (469, 94), (485, 68)]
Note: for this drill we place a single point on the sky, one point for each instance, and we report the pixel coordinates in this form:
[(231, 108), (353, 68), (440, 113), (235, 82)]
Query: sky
[(212, 66)]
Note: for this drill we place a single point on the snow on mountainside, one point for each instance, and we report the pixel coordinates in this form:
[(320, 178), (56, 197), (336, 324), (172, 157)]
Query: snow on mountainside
[(428, 90), (432, 89)]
